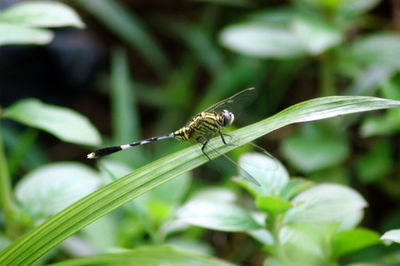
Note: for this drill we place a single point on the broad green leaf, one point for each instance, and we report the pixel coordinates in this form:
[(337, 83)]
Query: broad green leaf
[(316, 34), (381, 125), (49, 189), (41, 239), (302, 242), (217, 215), (191, 245), (150, 256), (64, 123), (315, 147), (17, 34), (391, 236), (345, 242), (273, 205), (367, 81), (41, 14), (160, 201), (351, 221), (172, 191), (262, 41), (270, 173), (280, 17), (294, 187), (355, 7), (263, 236), (216, 193), (325, 203), (364, 50), (343, 7), (108, 225)]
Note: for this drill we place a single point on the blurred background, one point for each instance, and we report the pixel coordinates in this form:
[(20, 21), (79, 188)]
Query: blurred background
[(142, 68)]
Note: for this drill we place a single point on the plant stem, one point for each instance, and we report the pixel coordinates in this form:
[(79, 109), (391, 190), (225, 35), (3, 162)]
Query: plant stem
[(274, 227), (6, 200), (326, 76)]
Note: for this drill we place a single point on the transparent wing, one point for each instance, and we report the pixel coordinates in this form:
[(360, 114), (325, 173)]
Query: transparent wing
[(231, 141), (238, 100), (244, 173)]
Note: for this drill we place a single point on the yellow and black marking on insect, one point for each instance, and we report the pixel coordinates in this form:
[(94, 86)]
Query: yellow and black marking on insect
[(201, 128)]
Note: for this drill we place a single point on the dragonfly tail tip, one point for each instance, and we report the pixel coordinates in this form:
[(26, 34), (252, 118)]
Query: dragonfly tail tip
[(91, 155)]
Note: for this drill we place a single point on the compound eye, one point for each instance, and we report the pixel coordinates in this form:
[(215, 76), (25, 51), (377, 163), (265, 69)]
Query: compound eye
[(228, 117)]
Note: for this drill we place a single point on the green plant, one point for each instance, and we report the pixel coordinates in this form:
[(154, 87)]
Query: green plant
[(25, 23), (179, 68), (107, 198), (298, 222)]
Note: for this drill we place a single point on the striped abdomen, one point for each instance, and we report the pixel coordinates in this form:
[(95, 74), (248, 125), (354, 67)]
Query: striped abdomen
[(203, 124)]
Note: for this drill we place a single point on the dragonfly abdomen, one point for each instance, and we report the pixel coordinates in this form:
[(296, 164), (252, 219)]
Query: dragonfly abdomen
[(203, 124), (112, 149)]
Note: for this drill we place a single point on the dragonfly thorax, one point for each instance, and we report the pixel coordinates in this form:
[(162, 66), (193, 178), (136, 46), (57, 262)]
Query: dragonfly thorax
[(228, 117)]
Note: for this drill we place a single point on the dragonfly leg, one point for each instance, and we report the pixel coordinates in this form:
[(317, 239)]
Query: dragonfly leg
[(204, 141), (223, 139)]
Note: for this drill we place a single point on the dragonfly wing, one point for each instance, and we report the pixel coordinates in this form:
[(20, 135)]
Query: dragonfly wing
[(245, 174), (240, 99)]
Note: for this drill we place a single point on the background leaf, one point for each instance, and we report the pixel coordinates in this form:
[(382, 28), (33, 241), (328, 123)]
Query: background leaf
[(148, 256), (345, 242), (365, 52), (262, 41), (308, 158), (16, 34), (392, 235), (49, 189), (64, 123), (316, 34), (324, 203), (272, 205), (41, 14), (217, 215), (270, 173)]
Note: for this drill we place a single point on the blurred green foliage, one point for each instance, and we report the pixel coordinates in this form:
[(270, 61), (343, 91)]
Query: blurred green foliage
[(169, 62)]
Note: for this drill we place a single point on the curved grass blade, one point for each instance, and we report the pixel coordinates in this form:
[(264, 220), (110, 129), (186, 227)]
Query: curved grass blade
[(41, 239)]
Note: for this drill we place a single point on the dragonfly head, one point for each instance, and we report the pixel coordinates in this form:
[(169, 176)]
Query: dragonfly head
[(228, 117)]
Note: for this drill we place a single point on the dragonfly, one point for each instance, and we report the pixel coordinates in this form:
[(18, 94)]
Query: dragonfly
[(201, 128)]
